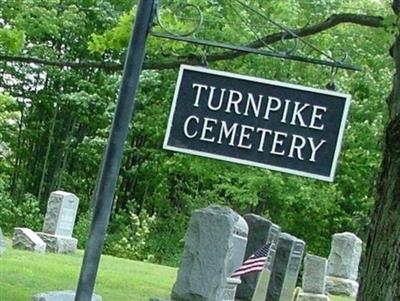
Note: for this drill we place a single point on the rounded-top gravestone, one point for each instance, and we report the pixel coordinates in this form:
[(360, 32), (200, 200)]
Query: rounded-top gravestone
[(214, 248), (345, 255), (343, 262)]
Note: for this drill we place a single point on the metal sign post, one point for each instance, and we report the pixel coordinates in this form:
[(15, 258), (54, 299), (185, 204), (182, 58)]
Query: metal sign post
[(113, 155)]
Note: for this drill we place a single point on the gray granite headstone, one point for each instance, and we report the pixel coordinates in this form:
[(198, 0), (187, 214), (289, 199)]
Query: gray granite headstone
[(239, 243), (59, 222), (264, 277), (343, 262), (345, 255), (286, 268), (61, 213), (315, 269), (239, 240), (26, 239), (261, 232), (212, 252), (60, 296), (2, 243)]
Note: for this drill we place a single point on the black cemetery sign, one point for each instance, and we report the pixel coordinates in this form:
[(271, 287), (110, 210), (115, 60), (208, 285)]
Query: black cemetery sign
[(258, 122)]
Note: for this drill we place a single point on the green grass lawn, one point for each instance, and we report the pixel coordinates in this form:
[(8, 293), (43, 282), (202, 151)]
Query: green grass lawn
[(23, 274)]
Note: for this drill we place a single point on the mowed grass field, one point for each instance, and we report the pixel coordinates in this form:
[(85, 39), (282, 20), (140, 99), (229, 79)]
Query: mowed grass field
[(24, 274)]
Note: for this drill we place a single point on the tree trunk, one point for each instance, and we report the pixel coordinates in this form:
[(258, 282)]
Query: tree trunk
[(13, 186), (64, 151), (47, 156), (381, 274)]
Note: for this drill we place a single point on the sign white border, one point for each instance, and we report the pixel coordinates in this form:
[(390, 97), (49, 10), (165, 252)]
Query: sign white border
[(329, 178)]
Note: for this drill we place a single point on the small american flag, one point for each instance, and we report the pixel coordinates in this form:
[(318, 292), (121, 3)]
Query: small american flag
[(254, 263)]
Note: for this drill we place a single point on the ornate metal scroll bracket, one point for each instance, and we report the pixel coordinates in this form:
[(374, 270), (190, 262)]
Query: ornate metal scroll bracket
[(187, 33), (198, 20)]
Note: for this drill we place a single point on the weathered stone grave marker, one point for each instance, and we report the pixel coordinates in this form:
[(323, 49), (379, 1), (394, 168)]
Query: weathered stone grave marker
[(239, 243), (286, 268), (315, 269), (26, 239), (343, 262), (265, 275), (60, 296), (57, 230), (261, 231), (215, 244), (59, 222)]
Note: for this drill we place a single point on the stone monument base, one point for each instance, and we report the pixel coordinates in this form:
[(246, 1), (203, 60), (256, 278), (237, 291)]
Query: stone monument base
[(60, 296), (59, 244), (26, 239), (230, 289), (341, 286), (312, 297)]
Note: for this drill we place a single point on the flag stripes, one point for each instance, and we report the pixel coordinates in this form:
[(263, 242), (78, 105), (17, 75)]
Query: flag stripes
[(254, 263)]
